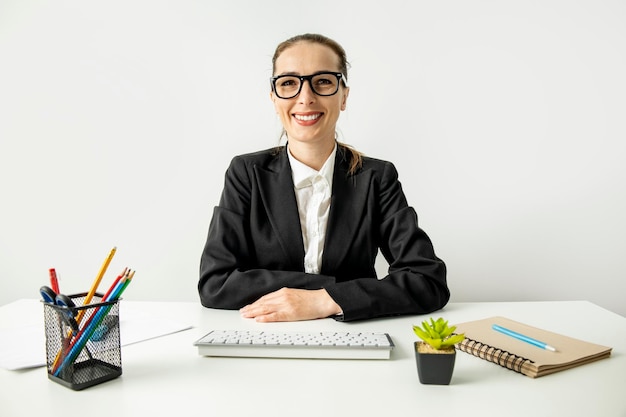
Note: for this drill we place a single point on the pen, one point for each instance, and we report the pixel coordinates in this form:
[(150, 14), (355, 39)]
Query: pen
[(523, 338)]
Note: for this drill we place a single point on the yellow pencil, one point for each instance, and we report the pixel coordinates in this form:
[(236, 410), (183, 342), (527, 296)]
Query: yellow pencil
[(96, 283)]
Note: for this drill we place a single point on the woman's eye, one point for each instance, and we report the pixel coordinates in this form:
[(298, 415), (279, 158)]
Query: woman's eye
[(323, 81)]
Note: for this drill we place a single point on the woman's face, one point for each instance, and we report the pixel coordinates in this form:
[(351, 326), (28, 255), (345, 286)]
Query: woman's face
[(309, 117)]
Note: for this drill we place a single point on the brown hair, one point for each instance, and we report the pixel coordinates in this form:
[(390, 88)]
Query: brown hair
[(356, 158)]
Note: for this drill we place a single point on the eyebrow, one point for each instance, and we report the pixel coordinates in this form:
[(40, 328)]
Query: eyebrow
[(297, 74)]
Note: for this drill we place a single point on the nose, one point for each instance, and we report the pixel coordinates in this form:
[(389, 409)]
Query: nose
[(306, 96)]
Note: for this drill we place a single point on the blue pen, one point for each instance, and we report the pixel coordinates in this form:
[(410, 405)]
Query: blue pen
[(521, 337)]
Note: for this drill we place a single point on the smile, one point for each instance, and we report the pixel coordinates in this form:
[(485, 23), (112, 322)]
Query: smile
[(307, 117)]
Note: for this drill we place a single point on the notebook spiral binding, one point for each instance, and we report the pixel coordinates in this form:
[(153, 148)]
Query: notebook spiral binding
[(493, 354)]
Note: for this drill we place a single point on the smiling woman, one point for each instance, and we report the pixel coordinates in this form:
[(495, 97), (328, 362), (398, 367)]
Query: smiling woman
[(297, 229)]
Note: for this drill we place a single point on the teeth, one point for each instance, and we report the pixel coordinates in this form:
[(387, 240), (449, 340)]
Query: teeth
[(308, 117)]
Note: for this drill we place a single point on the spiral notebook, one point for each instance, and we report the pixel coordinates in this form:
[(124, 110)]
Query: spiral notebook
[(484, 342)]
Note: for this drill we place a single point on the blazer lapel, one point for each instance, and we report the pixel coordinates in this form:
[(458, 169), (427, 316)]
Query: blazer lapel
[(276, 189), (346, 212)]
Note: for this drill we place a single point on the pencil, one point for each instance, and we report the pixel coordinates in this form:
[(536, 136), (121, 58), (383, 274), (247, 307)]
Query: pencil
[(124, 276), (115, 291), (112, 287), (96, 283)]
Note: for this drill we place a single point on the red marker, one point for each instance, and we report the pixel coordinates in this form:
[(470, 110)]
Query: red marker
[(54, 281)]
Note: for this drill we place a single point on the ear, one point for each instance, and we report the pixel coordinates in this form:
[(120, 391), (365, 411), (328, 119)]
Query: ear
[(273, 98), (346, 91)]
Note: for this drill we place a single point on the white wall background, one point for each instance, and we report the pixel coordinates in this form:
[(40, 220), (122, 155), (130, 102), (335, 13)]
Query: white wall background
[(506, 120)]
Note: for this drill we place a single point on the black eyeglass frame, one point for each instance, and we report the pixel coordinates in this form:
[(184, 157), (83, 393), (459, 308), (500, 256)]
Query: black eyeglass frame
[(309, 78)]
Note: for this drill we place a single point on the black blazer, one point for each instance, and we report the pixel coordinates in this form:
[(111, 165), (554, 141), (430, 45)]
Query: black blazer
[(254, 244)]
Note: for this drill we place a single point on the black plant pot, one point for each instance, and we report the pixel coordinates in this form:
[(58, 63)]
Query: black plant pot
[(435, 368)]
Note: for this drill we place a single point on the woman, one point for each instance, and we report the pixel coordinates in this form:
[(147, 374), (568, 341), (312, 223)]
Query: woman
[(298, 228)]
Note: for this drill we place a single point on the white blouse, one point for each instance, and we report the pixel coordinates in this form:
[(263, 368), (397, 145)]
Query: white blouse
[(313, 191)]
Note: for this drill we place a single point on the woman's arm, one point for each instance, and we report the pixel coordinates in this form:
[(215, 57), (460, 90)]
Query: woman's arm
[(416, 280)]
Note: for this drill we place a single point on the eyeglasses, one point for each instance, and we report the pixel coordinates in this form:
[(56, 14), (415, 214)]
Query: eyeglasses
[(322, 84)]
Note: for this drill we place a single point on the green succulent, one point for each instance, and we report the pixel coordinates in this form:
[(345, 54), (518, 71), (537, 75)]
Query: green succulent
[(438, 334)]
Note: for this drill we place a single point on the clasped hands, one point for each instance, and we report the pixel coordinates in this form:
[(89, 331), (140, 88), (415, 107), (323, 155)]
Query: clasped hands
[(291, 304)]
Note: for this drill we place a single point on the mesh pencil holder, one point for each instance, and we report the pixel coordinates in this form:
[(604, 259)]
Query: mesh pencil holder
[(83, 342)]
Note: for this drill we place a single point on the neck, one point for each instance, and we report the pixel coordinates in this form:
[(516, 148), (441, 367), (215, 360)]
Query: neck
[(312, 155)]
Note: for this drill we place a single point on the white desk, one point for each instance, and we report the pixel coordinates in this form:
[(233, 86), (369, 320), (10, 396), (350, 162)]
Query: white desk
[(166, 376)]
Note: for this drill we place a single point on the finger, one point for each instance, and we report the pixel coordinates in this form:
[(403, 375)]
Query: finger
[(271, 317), (257, 309)]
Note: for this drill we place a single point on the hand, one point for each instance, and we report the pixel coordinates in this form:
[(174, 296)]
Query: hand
[(290, 304)]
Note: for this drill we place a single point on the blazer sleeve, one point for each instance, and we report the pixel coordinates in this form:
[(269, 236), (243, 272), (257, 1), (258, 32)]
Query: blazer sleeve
[(416, 281)]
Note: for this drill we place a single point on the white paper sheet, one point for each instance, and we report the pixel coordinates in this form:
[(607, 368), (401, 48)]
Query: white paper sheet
[(23, 340)]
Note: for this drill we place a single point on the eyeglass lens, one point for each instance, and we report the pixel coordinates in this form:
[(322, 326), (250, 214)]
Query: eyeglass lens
[(289, 86)]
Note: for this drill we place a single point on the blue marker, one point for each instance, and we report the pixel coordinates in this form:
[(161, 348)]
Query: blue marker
[(521, 337)]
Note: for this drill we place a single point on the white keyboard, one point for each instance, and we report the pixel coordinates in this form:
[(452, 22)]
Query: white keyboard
[(312, 345)]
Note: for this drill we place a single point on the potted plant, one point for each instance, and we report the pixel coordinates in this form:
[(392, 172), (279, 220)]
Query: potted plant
[(435, 354)]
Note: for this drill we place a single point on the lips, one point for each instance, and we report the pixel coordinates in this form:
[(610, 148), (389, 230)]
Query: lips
[(308, 117)]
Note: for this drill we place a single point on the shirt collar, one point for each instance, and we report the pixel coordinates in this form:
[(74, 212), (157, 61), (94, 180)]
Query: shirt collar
[(302, 174)]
